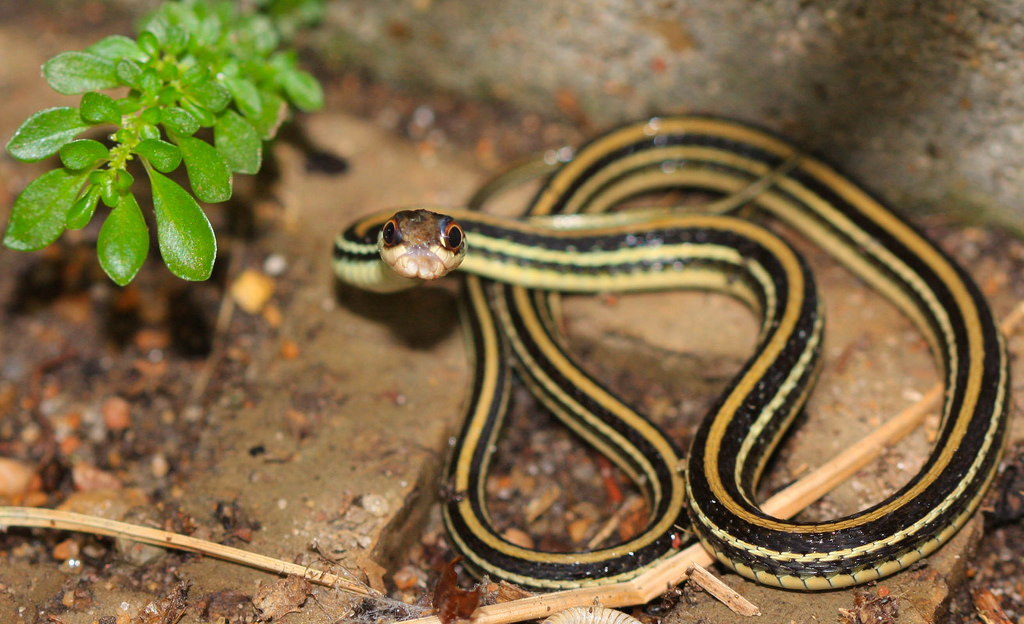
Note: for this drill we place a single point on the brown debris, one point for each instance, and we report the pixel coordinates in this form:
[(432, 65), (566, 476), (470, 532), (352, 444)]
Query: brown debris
[(225, 606), (280, 598), (452, 603), (374, 572), (878, 608), (989, 609), (166, 610)]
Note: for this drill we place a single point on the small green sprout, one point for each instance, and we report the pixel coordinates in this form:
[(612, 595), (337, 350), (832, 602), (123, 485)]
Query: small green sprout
[(194, 65)]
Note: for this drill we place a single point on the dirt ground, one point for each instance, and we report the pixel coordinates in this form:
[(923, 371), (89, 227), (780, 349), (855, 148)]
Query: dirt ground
[(313, 427)]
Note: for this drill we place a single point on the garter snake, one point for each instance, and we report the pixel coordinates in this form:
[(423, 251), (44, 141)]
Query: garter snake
[(731, 446)]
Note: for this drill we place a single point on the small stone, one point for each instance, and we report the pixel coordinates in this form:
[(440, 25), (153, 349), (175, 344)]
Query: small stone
[(406, 578), (110, 504), (518, 537), (275, 265), (15, 477), (579, 528), (87, 478), (116, 413), (539, 504), (69, 445), (376, 505), (290, 350), (31, 433), (34, 498), (152, 339), (272, 315), (252, 290), (68, 549), (158, 466)]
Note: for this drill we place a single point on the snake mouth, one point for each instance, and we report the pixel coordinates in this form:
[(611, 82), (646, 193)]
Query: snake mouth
[(420, 244), (419, 263)]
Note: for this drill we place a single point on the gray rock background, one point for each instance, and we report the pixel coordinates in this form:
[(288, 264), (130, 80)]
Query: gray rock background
[(919, 100)]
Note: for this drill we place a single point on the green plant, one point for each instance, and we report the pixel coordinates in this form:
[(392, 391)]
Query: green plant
[(193, 66)]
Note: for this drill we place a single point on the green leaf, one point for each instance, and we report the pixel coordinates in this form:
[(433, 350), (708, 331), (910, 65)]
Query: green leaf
[(107, 187), (180, 121), (171, 27), (43, 133), (303, 89), (38, 214), (169, 72), (210, 95), (123, 181), (148, 131), (148, 43), (175, 40), (182, 14), (129, 72), (126, 136), (186, 238), (99, 108), (149, 82), (162, 155), (238, 142), (208, 171), (151, 115), (245, 94), (116, 47), (194, 74), (123, 243), (130, 104), (257, 35), (207, 32), (70, 73), (157, 23), (275, 111), (82, 210), (168, 96), (201, 114), (80, 154)]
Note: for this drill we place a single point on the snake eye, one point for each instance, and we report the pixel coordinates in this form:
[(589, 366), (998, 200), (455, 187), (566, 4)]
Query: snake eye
[(452, 236), (389, 233)]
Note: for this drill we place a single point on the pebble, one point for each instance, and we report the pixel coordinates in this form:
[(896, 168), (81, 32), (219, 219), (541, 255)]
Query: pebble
[(137, 553), (148, 339), (376, 505), (109, 504), (16, 477), (407, 577), (272, 315), (579, 528), (68, 549), (538, 505), (31, 433), (87, 478), (251, 290), (116, 413), (518, 537), (275, 265), (290, 350), (159, 466)]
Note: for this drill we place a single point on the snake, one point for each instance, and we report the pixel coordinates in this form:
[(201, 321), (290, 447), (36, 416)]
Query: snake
[(574, 238)]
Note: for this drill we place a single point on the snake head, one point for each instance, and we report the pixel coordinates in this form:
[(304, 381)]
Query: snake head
[(422, 244)]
